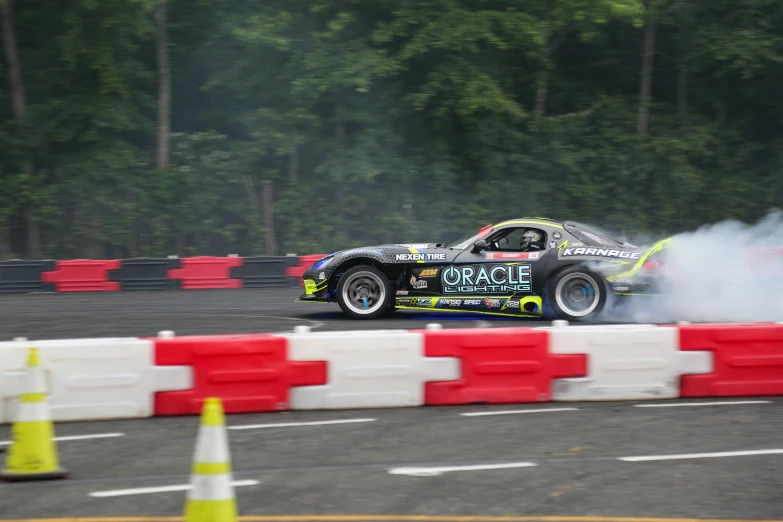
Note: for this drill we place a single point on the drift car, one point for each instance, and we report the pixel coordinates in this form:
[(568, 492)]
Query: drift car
[(514, 269)]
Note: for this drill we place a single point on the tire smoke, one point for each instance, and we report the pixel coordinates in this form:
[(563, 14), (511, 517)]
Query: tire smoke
[(724, 272)]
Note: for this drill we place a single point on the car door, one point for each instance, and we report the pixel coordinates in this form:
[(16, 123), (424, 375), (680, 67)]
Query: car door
[(503, 269)]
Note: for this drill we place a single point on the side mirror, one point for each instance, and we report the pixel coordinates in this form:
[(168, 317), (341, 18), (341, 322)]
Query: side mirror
[(479, 245)]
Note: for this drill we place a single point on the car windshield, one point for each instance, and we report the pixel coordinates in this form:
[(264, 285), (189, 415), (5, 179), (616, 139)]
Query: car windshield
[(590, 235), (464, 242)]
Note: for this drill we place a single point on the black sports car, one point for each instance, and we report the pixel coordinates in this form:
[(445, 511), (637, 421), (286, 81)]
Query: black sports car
[(516, 268)]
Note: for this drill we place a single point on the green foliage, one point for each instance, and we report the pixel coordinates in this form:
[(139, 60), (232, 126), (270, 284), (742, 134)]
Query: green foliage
[(384, 121)]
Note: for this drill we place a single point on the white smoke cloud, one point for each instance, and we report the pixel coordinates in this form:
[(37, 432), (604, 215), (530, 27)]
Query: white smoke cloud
[(724, 272)]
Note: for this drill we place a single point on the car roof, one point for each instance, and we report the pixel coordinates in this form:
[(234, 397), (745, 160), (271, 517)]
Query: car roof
[(532, 221)]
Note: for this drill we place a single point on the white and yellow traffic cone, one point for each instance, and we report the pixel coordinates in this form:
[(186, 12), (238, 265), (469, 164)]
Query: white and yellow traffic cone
[(211, 496), (33, 453)]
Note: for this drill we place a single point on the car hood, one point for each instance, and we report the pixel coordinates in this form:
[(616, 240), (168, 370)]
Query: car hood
[(387, 246)]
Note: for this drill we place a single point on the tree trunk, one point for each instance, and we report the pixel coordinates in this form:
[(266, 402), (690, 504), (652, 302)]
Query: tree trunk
[(340, 132), (542, 76), (293, 164), (5, 244), (682, 61), (682, 91), (542, 86), (181, 244), (135, 245), (255, 212), (164, 88), (32, 231), (546, 52), (720, 115), (267, 197), (12, 61), (18, 105), (646, 80)]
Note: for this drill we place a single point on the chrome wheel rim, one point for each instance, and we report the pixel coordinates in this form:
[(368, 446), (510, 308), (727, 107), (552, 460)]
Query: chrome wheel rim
[(577, 294), (364, 293)]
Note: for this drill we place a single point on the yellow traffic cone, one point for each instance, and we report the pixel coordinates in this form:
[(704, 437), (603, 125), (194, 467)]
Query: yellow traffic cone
[(33, 453), (211, 497)]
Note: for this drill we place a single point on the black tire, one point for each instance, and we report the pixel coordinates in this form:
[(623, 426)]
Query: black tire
[(365, 281), (582, 294)]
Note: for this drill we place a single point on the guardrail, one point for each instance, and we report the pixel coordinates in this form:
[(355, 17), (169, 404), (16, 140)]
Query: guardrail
[(116, 378), (117, 275)]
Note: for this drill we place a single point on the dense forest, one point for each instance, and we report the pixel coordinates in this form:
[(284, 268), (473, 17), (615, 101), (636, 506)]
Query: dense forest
[(210, 127)]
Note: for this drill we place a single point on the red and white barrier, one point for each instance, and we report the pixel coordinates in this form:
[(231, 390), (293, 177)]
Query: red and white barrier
[(625, 362), (748, 359), (499, 366), (90, 379), (367, 369)]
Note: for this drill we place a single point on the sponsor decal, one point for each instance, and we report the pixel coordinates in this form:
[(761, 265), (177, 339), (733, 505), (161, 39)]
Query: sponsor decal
[(556, 235), (310, 286), (511, 255), (621, 288), (450, 302), (418, 284), (553, 244), (486, 279), (599, 252), (493, 303), (429, 272), (471, 302), (512, 304), (376, 251), (415, 301), (420, 257), (402, 292)]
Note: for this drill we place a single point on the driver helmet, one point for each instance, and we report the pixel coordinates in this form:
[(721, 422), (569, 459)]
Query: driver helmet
[(531, 240)]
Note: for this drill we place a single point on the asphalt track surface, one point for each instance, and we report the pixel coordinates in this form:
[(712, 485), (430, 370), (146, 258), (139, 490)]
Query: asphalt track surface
[(558, 460), (39, 316)]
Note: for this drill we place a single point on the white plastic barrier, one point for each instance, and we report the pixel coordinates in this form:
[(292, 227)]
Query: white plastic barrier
[(625, 362), (90, 379), (367, 369)]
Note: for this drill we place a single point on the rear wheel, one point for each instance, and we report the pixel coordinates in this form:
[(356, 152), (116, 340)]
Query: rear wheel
[(577, 294), (364, 292)]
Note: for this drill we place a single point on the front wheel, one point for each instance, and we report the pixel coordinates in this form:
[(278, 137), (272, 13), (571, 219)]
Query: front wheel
[(577, 294), (364, 292)]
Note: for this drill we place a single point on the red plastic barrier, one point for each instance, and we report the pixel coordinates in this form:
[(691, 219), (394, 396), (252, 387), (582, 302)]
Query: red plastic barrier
[(305, 262), (200, 273), (748, 359), (499, 366), (83, 275), (250, 373)]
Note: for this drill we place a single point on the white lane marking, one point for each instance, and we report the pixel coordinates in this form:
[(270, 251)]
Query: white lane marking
[(161, 489), (717, 403), (75, 437), (432, 472), (293, 424), (512, 412), (644, 458)]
